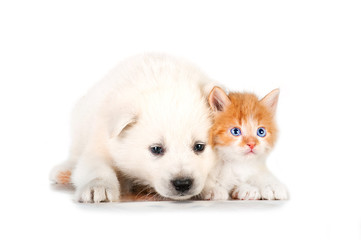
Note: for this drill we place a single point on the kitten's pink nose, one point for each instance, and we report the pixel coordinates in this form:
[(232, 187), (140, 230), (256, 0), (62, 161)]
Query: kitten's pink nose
[(251, 145)]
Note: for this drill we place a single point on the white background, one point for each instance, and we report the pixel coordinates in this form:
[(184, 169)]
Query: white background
[(51, 52)]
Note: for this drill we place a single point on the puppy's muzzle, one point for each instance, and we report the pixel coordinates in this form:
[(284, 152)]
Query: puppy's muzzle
[(182, 185)]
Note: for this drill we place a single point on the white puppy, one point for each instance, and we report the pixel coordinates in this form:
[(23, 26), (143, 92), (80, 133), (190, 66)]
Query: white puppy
[(148, 119)]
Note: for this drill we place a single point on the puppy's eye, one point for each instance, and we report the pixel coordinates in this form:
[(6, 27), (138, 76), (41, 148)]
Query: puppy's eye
[(199, 147), (261, 132), (156, 150)]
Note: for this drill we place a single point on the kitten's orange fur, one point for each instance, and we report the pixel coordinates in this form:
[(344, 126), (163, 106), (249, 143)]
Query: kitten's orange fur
[(243, 107), (241, 171)]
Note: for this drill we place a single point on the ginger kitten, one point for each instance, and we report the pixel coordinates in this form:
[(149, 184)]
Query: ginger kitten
[(243, 134)]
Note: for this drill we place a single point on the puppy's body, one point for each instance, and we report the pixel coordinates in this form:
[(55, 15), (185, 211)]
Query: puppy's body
[(147, 102)]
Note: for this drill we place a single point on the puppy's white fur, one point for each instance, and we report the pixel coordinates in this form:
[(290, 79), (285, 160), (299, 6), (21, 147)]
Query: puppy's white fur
[(146, 100)]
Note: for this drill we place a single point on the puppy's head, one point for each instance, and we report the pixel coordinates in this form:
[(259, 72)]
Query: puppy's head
[(166, 144)]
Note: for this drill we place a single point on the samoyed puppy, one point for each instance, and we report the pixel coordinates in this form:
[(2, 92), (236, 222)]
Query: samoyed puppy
[(147, 119)]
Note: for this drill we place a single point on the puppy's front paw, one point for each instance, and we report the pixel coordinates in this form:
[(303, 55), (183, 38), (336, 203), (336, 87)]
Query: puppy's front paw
[(216, 193), (274, 192), (246, 192), (98, 191)]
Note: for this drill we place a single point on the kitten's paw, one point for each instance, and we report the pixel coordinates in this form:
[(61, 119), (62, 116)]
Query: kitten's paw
[(274, 192), (246, 192), (217, 194), (98, 191)]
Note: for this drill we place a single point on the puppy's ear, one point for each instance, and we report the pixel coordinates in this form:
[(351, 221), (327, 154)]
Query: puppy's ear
[(117, 125), (218, 100), (271, 100)]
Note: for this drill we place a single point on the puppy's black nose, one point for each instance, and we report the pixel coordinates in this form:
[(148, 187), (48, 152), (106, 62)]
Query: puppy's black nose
[(183, 184)]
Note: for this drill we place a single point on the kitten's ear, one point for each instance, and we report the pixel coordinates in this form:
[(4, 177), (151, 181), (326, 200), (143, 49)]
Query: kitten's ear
[(271, 100), (218, 100)]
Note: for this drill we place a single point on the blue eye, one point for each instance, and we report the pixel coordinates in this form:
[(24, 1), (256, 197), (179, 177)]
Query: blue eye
[(236, 131), (261, 132)]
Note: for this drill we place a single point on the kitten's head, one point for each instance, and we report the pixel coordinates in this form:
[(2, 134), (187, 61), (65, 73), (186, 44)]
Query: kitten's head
[(244, 127)]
